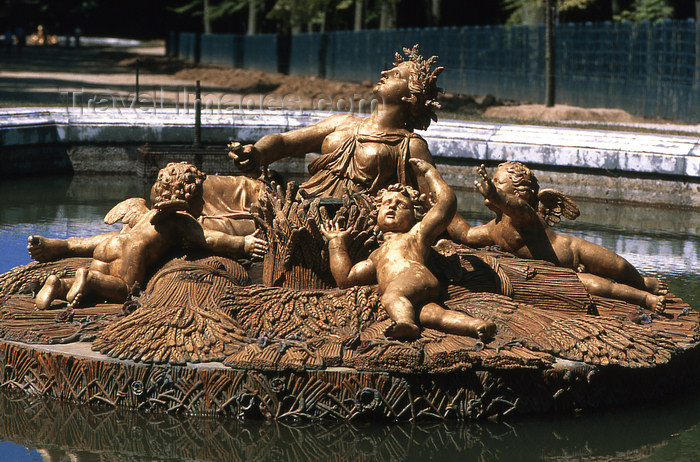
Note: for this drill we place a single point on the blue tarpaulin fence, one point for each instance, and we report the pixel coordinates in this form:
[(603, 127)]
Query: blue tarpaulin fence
[(650, 69)]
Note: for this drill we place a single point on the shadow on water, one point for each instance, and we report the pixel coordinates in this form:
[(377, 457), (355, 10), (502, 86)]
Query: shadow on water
[(56, 430)]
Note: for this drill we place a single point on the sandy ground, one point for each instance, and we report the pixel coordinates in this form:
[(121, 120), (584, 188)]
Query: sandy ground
[(60, 76)]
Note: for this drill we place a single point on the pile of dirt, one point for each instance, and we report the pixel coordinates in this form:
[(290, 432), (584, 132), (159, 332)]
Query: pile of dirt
[(253, 81), (560, 112), (310, 88)]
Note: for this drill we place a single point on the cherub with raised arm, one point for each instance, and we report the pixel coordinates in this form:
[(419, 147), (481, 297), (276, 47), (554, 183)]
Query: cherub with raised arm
[(409, 290), (524, 216), (121, 259)]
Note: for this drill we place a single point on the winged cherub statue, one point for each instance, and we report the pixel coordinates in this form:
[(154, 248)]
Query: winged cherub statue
[(121, 259), (524, 216)]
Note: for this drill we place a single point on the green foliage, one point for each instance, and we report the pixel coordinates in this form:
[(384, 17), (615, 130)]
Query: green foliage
[(296, 12), (646, 10), (519, 8), (217, 9)]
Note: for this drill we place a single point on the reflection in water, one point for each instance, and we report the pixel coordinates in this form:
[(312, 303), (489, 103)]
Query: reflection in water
[(658, 241), (57, 430)]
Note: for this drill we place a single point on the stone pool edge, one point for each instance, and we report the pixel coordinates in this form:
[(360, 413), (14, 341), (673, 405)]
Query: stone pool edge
[(602, 165)]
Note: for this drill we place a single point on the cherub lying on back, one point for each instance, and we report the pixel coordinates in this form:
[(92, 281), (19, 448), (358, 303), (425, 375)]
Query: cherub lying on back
[(122, 259), (524, 214)]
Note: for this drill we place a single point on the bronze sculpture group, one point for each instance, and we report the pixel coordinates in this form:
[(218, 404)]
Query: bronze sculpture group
[(380, 157)]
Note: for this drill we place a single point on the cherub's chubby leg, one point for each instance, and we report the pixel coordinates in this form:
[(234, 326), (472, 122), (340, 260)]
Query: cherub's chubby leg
[(402, 312), (406, 291), (605, 263), (602, 287), (87, 282), (53, 288), (46, 249), (436, 317)]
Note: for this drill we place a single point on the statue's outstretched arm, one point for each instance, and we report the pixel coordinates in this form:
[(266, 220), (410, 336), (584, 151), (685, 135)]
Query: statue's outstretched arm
[(277, 146), (458, 228), (441, 214), (221, 243), (344, 272)]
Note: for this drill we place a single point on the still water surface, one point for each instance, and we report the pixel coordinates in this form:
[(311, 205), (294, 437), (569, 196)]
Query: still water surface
[(657, 241)]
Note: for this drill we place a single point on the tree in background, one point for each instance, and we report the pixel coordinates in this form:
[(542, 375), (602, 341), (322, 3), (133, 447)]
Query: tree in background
[(646, 10), (212, 10), (294, 14), (522, 10)]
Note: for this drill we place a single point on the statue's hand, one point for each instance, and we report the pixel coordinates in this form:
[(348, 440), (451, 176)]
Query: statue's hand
[(255, 247), (485, 185), (487, 189), (245, 157), (333, 231), (420, 166)]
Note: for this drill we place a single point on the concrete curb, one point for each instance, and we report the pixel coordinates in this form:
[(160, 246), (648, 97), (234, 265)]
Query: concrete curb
[(586, 164), (610, 151)]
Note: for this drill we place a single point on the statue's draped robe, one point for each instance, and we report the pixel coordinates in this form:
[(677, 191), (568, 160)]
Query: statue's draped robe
[(359, 163), (227, 202), (352, 165)]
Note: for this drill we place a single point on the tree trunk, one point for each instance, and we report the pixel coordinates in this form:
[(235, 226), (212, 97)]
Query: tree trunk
[(359, 5), (533, 14), (387, 18), (550, 53), (615, 7), (252, 17), (294, 18), (697, 11), (207, 21), (435, 13)]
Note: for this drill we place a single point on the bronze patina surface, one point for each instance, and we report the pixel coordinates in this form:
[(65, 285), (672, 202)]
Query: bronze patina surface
[(361, 307)]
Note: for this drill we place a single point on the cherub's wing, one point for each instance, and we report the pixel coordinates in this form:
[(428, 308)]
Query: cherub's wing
[(554, 205), (128, 211)]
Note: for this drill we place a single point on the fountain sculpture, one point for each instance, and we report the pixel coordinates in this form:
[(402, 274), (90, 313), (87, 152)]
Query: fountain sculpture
[(361, 306)]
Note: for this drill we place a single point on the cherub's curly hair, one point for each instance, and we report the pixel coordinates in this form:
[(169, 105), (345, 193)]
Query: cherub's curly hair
[(177, 181), (421, 84), (417, 201), (524, 181)]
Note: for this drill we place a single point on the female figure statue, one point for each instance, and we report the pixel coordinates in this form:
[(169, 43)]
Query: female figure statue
[(362, 154)]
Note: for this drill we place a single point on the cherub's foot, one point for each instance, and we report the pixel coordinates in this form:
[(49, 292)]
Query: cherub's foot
[(78, 287), (656, 303), (485, 330), (44, 249), (402, 331), (655, 285), (48, 293), (75, 302)]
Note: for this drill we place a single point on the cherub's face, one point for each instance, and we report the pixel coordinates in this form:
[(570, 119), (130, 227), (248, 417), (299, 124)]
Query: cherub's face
[(395, 212), (503, 182), (393, 84)]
